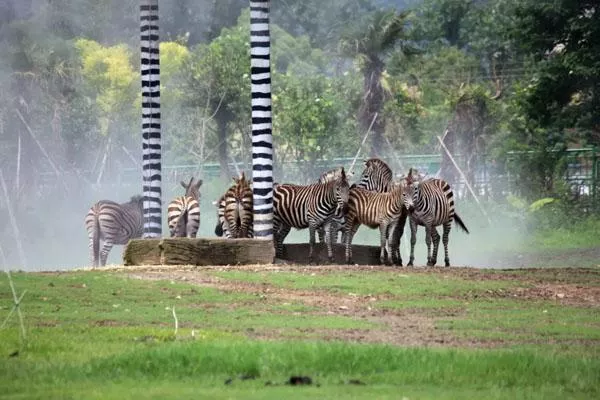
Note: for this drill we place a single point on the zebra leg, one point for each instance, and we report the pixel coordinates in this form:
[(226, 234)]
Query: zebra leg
[(280, 236), (322, 236), (445, 238), (428, 235), (383, 242), (397, 233), (104, 252), (391, 242), (330, 231), (435, 236), (349, 232), (311, 242), (413, 241)]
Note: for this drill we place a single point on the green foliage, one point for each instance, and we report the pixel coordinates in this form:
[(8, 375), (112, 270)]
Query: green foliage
[(109, 79), (313, 121)]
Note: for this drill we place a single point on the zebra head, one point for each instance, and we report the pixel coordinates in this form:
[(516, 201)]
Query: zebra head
[(376, 176), (342, 190), (410, 191), (192, 189)]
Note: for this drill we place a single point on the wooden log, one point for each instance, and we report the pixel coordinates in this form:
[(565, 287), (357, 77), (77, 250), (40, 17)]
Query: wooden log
[(201, 251)]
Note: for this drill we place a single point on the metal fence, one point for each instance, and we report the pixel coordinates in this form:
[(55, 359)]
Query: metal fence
[(579, 169)]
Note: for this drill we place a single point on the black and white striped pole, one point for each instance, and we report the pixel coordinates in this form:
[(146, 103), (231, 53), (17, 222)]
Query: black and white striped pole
[(262, 138), (151, 140)]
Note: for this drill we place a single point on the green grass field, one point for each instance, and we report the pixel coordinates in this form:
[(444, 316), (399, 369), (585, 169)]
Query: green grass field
[(357, 332)]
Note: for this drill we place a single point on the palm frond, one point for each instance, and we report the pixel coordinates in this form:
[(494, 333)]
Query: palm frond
[(375, 36)]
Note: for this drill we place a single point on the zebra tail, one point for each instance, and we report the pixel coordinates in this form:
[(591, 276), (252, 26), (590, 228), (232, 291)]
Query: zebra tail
[(460, 223), (96, 239), (219, 229)]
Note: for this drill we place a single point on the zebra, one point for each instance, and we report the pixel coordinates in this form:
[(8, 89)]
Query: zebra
[(337, 225), (308, 206), (262, 123), (183, 212), (377, 176), (113, 223), (430, 203), (234, 210), (151, 138), (380, 210)]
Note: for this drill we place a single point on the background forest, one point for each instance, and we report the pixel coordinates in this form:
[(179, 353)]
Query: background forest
[(494, 76)]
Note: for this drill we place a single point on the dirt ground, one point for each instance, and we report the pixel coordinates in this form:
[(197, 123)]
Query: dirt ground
[(407, 327)]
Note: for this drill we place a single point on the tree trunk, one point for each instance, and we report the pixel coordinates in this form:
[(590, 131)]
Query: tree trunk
[(222, 118), (372, 104)]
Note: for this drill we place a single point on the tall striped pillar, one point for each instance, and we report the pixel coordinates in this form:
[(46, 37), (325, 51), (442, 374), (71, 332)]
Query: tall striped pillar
[(151, 142), (262, 138)]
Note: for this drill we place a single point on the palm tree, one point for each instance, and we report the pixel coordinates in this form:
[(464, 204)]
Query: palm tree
[(370, 43), (151, 140)]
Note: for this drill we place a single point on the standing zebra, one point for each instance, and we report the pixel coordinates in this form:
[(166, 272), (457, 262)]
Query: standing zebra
[(385, 211), (309, 206), (430, 203), (262, 135), (234, 212), (183, 213), (377, 176), (114, 224), (151, 141), (337, 225)]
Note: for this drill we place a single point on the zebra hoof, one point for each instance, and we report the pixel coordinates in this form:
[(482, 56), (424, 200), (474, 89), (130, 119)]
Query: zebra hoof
[(349, 262), (430, 264), (410, 264)]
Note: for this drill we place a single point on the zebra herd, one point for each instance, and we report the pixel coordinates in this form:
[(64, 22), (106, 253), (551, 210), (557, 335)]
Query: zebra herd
[(327, 207)]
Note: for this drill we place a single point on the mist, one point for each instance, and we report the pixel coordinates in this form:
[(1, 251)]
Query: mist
[(70, 115)]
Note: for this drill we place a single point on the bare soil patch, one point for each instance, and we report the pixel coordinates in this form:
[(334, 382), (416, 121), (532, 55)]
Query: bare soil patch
[(407, 327)]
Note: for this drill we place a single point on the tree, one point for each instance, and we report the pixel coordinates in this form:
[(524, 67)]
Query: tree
[(370, 43), (564, 92)]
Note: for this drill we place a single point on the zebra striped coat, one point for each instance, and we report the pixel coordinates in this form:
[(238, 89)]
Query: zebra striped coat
[(113, 223), (337, 225), (183, 212), (375, 210), (309, 206), (430, 203), (377, 176), (234, 211)]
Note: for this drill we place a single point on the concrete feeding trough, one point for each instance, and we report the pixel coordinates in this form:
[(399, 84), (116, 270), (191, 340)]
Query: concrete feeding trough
[(219, 251)]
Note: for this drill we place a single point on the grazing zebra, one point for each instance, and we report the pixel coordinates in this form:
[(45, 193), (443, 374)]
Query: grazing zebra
[(151, 140), (377, 176), (113, 223), (376, 210), (430, 203), (337, 225), (309, 206), (234, 210), (262, 124), (183, 213)]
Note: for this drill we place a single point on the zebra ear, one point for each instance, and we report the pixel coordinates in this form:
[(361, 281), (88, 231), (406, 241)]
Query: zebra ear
[(185, 185), (199, 183), (343, 174)]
